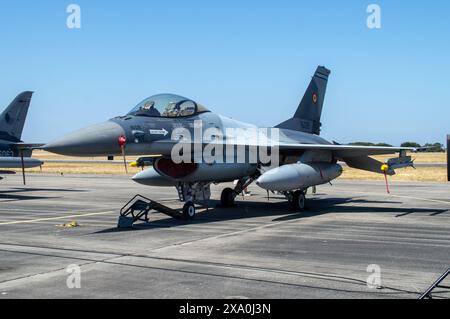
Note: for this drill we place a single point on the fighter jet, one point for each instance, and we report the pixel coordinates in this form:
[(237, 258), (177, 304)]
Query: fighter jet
[(13, 152), (196, 148)]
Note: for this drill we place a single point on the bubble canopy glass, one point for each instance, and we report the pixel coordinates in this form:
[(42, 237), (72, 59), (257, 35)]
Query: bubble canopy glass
[(167, 105)]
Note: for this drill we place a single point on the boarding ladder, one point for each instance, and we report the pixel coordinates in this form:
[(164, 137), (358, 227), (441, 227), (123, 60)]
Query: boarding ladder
[(438, 284), (138, 209)]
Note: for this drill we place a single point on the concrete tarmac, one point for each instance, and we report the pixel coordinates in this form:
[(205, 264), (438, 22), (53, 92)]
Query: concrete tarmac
[(258, 249)]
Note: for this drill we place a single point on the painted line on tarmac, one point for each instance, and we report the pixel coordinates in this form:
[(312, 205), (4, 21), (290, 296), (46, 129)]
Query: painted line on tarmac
[(30, 221), (10, 210), (397, 196)]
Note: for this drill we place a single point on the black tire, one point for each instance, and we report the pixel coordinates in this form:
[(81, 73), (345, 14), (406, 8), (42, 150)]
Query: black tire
[(227, 198), (298, 201), (189, 211)]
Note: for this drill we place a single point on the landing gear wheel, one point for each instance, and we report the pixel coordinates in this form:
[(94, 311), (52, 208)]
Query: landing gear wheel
[(297, 201), (227, 198), (189, 211)]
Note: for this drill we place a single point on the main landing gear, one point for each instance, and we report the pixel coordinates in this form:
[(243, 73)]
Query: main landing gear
[(297, 200), (229, 195), (227, 198)]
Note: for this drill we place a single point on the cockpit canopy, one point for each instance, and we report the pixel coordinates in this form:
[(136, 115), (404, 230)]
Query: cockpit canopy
[(167, 105)]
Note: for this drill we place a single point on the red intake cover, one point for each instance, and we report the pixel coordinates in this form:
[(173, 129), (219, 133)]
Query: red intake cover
[(169, 168)]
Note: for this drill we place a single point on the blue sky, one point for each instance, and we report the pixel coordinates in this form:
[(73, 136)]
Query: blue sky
[(250, 60)]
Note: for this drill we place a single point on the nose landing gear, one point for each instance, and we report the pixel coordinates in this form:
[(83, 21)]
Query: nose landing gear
[(189, 211)]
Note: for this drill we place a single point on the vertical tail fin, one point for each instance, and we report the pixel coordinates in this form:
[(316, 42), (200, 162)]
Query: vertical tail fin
[(309, 112), (12, 120)]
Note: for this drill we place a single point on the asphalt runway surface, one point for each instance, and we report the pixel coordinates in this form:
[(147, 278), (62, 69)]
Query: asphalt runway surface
[(258, 249)]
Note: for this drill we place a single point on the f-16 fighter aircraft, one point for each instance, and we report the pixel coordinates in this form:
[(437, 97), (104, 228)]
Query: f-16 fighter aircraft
[(196, 147), (13, 152)]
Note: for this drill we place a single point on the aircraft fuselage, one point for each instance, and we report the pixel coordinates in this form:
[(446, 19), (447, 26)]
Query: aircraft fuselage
[(145, 134)]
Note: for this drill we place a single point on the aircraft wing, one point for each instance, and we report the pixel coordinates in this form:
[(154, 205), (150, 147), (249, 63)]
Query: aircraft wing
[(339, 151), (24, 146), (345, 151)]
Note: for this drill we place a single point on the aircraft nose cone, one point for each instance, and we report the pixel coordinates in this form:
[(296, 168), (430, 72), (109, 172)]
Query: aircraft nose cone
[(97, 140)]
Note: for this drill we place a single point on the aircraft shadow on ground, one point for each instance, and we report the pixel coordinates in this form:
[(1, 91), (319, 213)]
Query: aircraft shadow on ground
[(279, 211), (16, 194)]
